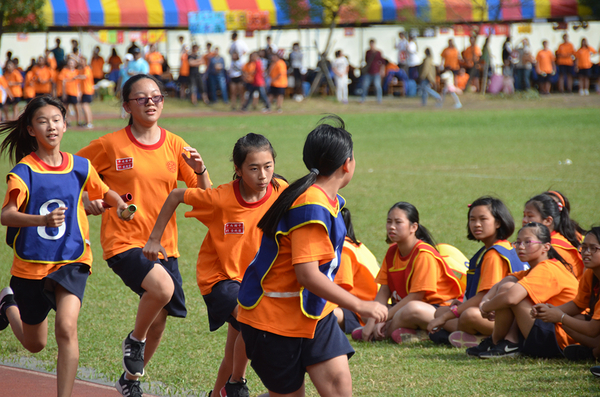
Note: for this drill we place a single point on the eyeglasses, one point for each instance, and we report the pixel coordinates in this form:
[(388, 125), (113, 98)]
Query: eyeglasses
[(144, 101), (525, 244), (592, 249)]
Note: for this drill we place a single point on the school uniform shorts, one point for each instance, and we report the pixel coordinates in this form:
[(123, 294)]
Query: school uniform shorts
[(133, 267), (281, 361), (541, 341), (351, 321), (35, 298), (221, 302)]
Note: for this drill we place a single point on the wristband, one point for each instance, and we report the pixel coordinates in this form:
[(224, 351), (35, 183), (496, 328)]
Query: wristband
[(202, 173), (454, 310), (561, 318)]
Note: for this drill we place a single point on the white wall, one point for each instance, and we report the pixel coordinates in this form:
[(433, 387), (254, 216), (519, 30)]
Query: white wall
[(353, 46)]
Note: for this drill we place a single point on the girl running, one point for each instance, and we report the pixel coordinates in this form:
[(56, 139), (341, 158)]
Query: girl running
[(286, 320), (414, 275), (231, 213), (146, 161), (49, 233), (461, 324), (550, 280)]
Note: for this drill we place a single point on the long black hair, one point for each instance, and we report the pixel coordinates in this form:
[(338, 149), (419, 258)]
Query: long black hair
[(543, 234), (253, 143), (126, 90), (326, 149), (412, 214), (564, 206), (500, 213), (349, 226), (17, 142), (561, 223)]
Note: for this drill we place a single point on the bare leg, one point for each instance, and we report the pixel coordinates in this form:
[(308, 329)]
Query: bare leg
[(226, 367), (502, 324), (332, 377), (32, 337), (67, 313), (415, 315), (470, 321), (339, 314)]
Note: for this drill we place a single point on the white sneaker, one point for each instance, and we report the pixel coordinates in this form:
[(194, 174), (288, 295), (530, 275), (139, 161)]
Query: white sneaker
[(581, 92), (587, 92)]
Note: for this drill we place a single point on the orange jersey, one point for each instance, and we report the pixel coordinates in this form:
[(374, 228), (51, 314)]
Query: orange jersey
[(545, 60), (96, 190), (471, 55), (97, 65), (155, 60), (51, 61), (43, 77), (114, 61), (355, 277), (248, 72), (565, 54), (427, 274), (70, 81), (583, 57), (233, 237), (493, 268), (28, 87), (184, 68), (149, 173), (87, 84), (582, 300), (461, 81), (450, 57), (3, 85), (14, 81), (278, 74), (283, 316), (550, 282), (568, 253)]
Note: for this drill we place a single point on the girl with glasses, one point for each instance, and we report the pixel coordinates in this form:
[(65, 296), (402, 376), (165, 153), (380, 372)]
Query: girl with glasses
[(147, 161), (549, 280)]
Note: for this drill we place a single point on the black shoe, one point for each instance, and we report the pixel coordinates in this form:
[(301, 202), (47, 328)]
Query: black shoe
[(483, 347), (595, 371), (129, 388), (440, 337), (7, 298), (578, 353), (503, 348), (236, 389), (133, 356)]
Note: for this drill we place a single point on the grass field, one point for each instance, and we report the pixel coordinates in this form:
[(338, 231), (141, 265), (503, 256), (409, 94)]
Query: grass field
[(438, 160)]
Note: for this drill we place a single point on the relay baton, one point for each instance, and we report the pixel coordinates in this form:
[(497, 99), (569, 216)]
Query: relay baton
[(127, 197), (127, 212)]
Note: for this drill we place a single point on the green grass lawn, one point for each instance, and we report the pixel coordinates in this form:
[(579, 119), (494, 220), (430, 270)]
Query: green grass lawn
[(440, 161)]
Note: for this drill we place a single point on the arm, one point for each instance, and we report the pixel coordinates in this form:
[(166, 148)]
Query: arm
[(153, 246), (506, 299), (11, 216), (437, 323), (197, 164), (114, 200), (565, 314), (382, 297)]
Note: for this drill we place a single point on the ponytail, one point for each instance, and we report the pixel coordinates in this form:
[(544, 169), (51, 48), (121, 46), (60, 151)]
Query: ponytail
[(349, 226), (564, 206), (561, 223), (326, 149)]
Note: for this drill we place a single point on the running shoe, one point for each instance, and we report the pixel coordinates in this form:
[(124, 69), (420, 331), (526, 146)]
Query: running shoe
[(504, 348), (235, 389), (129, 388), (440, 337), (463, 340), (409, 335), (579, 353), (7, 298), (133, 356), (357, 334), (483, 347), (595, 370)]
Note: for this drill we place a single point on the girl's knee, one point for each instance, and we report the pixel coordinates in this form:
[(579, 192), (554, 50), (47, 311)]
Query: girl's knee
[(34, 346)]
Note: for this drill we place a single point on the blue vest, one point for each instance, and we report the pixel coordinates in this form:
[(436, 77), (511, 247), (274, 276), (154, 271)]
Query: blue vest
[(251, 290), (474, 272), (47, 191)]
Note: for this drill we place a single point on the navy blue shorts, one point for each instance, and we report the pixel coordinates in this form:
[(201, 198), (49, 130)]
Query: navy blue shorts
[(35, 298), (541, 341), (71, 100), (220, 303), (13, 101), (133, 267), (585, 72), (544, 79), (351, 321), (86, 98), (566, 69), (276, 91), (281, 361)]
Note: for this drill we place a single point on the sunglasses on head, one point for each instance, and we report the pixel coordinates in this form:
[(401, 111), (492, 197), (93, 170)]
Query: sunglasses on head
[(144, 101)]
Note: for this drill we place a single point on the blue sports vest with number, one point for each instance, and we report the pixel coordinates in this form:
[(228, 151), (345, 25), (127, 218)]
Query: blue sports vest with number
[(251, 290), (474, 272), (48, 190)]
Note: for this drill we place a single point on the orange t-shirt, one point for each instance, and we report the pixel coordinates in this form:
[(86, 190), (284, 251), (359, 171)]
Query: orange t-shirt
[(583, 57), (461, 81), (70, 81), (43, 77), (568, 253), (51, 61), (4, 85), (97, 65), (184, 68), (149, 173), (12, 78), (450, 56), (233, 237), (550, 282), (87, 84), (155, 60), (428, 275), (493, 268), (114, 61), (28, 87), (390, 67), (96, 190), (565, 54), (248, 72), (582, 300), (278, 74), (471, 55), (283, 316), (545, 59)]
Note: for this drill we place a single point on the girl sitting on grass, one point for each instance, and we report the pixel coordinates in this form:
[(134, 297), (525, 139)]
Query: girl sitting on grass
[(490, 222), (414, 275), (550, 279)]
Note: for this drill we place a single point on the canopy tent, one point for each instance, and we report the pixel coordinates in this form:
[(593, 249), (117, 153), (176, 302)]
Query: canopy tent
[(174, 13)]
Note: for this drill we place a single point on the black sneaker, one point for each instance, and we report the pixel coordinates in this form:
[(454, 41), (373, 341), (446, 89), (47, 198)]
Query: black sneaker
[(579, 353), (504, 348), (133, 356), (595, 371), (483, 347), (440, 337), (129, 388), (7, 298), (235, 389)]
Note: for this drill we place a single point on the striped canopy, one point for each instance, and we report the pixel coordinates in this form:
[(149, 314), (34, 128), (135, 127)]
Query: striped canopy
[(174, 13)]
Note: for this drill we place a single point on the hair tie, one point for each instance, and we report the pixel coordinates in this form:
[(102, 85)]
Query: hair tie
[(559, 196), (314, 170)]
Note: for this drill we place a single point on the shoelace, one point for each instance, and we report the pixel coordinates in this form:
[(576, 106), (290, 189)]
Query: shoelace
[(133, 388), (134, 350)]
